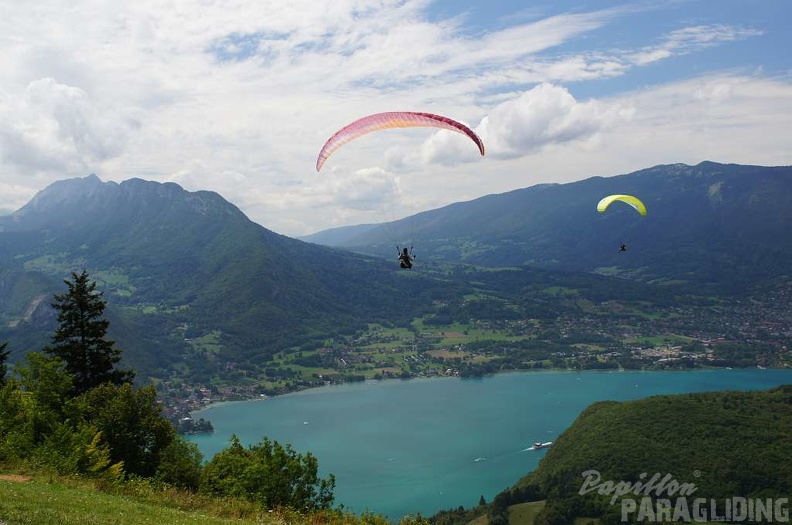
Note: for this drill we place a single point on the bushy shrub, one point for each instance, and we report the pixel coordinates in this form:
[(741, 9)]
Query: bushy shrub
[(180, 464), (80, 450), (131, 424), (273, 475)]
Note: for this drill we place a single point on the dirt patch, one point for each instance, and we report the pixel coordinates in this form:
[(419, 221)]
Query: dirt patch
[(16, 478)]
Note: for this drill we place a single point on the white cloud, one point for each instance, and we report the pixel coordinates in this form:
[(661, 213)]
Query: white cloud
[(199, 175), (238, 97), (517, 127), (690, 39), (14, 196), (544, 115), (55, 128), (726, 118), (363, 189), (719, 117)]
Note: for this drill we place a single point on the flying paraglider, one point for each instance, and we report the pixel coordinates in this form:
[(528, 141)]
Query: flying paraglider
[(393, 119), (629, 199), (405, 258)]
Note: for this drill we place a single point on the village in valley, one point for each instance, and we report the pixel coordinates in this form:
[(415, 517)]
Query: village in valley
[(752, 332)]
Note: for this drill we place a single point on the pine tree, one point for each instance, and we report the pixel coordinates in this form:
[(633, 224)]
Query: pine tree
[(3, 359), (80, 340)]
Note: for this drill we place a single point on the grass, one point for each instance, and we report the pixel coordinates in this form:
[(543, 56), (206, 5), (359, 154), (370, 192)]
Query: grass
[(207, 343), (520, 514), (380, 337), (659, 340), (524, 513), (310, 372), (56, 264), (460, 333), (560, 291), (48, 500), (151, 309), (41, 503), (43, 500), (588, 347), (116, 281)]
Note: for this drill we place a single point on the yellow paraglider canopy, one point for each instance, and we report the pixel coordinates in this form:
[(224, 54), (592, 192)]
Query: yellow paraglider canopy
[(629, 199)]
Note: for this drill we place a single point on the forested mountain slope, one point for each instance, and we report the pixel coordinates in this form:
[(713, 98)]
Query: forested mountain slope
[(711, 224)]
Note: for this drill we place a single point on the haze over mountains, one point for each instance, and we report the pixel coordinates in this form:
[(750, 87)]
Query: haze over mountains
[(192, 282), (721, 224)]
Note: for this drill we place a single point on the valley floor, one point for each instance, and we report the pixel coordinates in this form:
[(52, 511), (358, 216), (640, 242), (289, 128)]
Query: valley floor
[(578, 335)]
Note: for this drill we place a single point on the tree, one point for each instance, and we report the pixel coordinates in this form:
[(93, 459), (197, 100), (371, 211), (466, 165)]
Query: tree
[(269, 473), (180, 464), (80, 340), (131, 424), (3, 359), (47, 384), (32, 404)]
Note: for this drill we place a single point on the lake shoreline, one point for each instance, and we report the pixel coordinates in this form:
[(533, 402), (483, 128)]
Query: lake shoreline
[(314, 388), (402, 447)]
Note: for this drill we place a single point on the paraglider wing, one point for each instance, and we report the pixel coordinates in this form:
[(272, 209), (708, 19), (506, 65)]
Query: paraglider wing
[(629, 199), (394, 119)]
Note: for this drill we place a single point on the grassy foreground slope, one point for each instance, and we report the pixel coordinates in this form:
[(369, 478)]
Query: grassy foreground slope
[(41, 503), (47, 500)]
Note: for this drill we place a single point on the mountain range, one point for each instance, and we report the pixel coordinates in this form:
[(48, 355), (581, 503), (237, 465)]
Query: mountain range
[(722, 225), (193, 284), (175, 266)]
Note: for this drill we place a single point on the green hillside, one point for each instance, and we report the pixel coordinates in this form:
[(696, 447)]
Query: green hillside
[(177, 267), (724, 444), (200, 296)]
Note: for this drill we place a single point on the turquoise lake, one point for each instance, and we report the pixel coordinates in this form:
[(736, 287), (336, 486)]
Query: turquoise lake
[(423, 445)]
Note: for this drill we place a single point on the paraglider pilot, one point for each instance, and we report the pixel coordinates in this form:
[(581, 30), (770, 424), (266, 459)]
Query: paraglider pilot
[(405, 259), (623, 248)]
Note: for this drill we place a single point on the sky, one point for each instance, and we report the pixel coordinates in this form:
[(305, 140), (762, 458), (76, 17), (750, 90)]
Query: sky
[(238, 97)]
